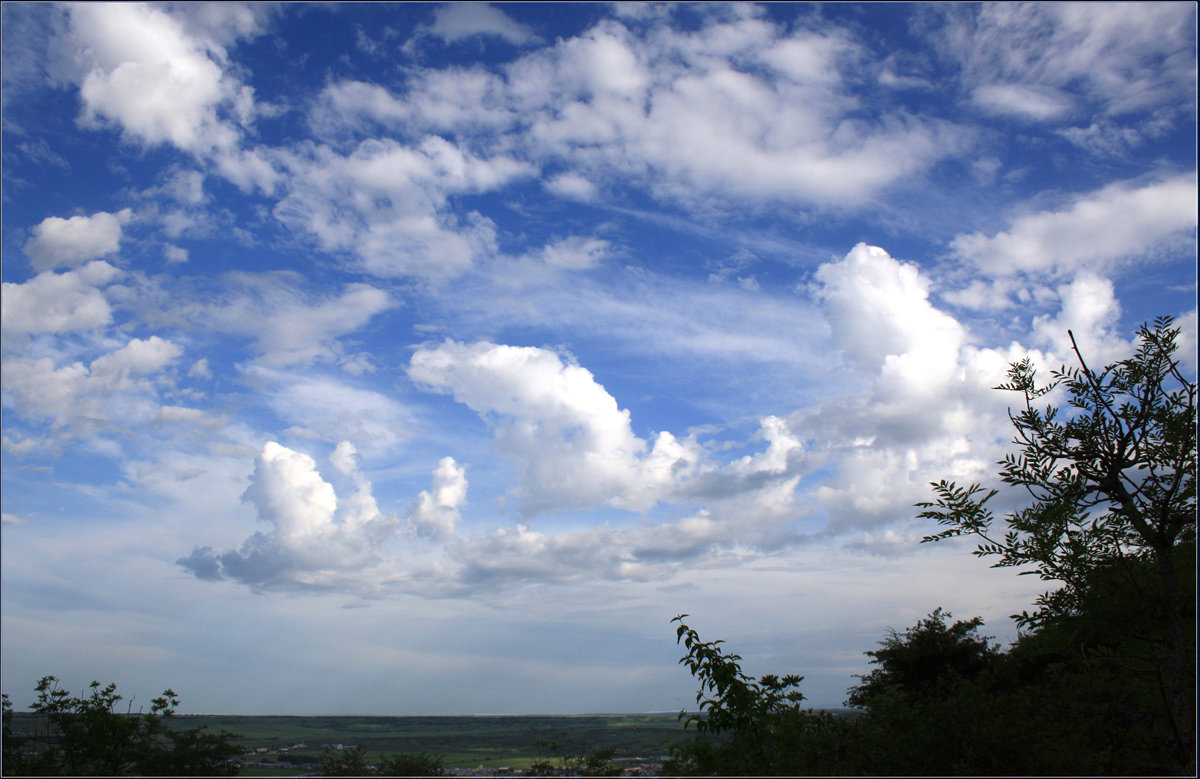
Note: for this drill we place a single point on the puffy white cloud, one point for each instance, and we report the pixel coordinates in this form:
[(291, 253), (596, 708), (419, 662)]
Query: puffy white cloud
[(436, 513), (57, 242), (879, 309), (114, 390), (574, 253), (315, 540), (571, 443), (456, 21), (387, 204), (1118, 222), (930, 412), (768, 113), (611, 102), (58, 302), (1090, 311), (145, 72), (573, 186)]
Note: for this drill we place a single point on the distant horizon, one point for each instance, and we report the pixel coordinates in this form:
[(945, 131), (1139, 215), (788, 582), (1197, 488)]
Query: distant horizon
[(412, 357)]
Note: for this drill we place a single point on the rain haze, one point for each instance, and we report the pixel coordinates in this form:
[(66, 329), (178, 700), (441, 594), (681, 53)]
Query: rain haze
[(428, 359)]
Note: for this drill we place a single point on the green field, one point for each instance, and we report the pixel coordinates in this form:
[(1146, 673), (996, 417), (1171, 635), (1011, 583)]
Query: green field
[(464, 742)]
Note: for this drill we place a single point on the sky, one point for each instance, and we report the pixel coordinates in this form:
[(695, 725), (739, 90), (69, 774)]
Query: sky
[(428, 359)]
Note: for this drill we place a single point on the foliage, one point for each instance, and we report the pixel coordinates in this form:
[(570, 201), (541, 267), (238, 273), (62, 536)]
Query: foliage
[(352, 761), (749, 720), (925, 658), (1112, 517), (88, 736)]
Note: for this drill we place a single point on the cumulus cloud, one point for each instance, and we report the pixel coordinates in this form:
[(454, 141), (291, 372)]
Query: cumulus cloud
[(571, 443), (145, 73), (768, 113), (315, 539), (436, 513), (1089, 310), (58, 302), (116, 389), (573, 187), (71, 242), (386, 203), (930, 412), (1120, 221)]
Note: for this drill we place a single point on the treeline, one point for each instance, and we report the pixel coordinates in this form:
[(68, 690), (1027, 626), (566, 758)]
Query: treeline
[(1101, 681)]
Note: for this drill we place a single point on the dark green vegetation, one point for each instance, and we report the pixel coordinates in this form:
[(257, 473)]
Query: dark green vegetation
[(397, 744), (1101, 680), (88, 736)]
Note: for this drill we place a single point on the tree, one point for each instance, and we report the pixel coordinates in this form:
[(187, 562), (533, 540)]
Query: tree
[(1112, 483), (925, 658), (88, 736), (750, 723)]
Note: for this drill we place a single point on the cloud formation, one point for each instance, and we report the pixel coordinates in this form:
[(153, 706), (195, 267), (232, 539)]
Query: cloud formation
[(1120, 221), (71, 242), (144, 73), (315, 540), (571, 444)]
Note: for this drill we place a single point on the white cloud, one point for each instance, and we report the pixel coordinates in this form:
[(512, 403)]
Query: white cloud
[(301, 334), (144, 72), (879, 309), (573, 187), (1090, 311), (1015, 99), (289, 327), (329, 409), (1122, 56), (114, 390), (574, 253), (200, 369), (436, 513), (58, 302), (572, 445), (76, 240), (930, 412), (1118, 222), (387, 204), (315, 540), (768, 114), (456, 21)]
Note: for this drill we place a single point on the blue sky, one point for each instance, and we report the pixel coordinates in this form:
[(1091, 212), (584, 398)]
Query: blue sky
[(427, 359)]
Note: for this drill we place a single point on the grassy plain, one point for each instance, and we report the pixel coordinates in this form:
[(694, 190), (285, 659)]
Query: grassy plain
[(464, 742)]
